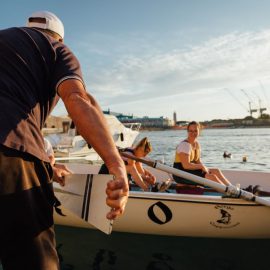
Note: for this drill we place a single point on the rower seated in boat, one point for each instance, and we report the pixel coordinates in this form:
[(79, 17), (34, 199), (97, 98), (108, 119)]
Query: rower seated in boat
[(142, 177), (188, 158)]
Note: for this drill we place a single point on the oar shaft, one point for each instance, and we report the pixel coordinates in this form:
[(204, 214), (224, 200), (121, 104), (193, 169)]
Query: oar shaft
[(262, 201), (205, 182), (150, 163), (228, 190), (202, 181)]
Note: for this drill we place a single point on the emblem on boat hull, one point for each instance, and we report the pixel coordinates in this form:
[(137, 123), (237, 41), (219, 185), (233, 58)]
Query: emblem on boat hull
[(225, 220)]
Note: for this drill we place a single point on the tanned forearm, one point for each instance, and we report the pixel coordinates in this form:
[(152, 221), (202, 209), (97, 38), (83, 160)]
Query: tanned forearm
[(92, 125)]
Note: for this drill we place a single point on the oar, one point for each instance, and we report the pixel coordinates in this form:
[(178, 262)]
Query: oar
[(231, 190), (87, 158)]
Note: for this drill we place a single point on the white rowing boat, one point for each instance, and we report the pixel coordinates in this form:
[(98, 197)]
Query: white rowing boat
[(170, 213)]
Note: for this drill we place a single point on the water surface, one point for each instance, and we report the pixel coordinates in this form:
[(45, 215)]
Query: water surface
[(253, 143)]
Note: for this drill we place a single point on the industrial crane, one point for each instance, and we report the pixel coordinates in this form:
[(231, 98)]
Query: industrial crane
[(249, 108), (261, 110), (249, 103)]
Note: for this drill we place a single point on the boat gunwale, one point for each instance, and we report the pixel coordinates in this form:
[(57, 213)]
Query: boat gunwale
[(205, 199)]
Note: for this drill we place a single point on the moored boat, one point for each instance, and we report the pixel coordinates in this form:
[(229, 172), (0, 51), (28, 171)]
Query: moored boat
[(174, 214), (71, 145)]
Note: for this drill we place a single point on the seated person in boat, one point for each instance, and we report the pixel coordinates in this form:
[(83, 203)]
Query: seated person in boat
[(143, 178), (188, 158)]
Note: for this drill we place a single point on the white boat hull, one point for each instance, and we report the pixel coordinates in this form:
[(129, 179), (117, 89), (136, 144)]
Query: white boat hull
[(196, 216), (70, 146), (178, 214)]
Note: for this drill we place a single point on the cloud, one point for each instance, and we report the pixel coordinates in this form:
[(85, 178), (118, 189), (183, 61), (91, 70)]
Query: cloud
[(127, 73), (233, 60)]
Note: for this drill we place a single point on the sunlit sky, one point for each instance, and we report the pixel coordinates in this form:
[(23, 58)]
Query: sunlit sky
[(203, 59)]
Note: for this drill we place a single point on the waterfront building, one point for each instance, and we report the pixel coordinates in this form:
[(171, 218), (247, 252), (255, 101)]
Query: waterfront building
[(146, 122)]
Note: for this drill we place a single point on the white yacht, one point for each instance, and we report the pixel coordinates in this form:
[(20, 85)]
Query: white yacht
[(71, 145)]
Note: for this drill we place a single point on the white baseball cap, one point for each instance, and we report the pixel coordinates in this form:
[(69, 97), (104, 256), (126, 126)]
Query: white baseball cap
[(48, 21)]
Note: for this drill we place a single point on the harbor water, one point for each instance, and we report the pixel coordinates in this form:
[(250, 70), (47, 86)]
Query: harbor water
[(250, 143), (82, 249)]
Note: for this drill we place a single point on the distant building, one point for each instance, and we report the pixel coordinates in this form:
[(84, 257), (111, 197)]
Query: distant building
[(222, 125), (57, 124), (146, 122), (149, 122), (57, 121), (119, 115), (174, 118), (181, 123)]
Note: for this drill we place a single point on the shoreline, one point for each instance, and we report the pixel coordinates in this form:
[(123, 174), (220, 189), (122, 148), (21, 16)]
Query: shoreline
[(204, 127)]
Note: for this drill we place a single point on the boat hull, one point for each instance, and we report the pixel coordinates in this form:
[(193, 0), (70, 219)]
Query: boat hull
[(174, 214), (196, 235), (195, 216)]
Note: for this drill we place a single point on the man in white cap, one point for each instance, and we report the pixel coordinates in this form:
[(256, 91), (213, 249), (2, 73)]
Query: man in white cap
[(36, 68)]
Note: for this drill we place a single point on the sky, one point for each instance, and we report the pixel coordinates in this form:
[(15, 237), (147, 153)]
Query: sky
[(203, 59)]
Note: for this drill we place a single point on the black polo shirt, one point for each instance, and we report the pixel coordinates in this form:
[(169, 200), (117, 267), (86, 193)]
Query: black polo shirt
[(32, 65)]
